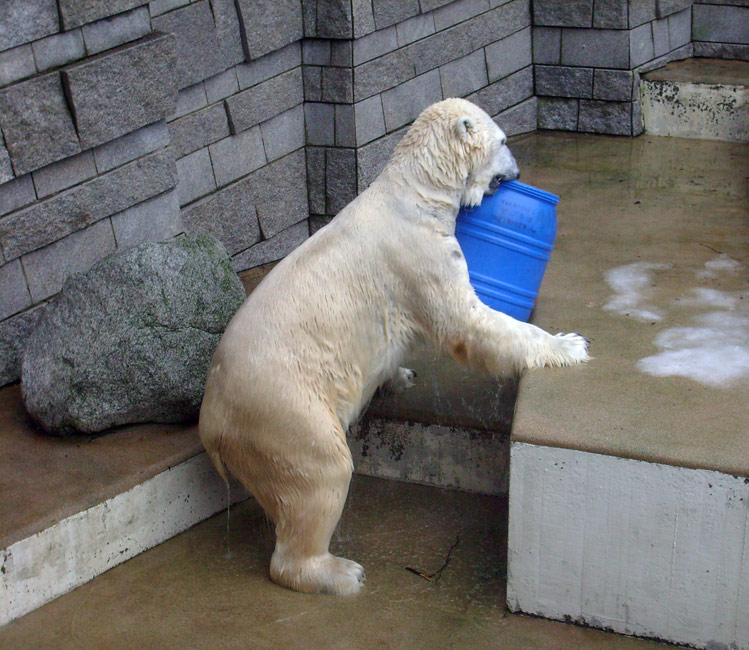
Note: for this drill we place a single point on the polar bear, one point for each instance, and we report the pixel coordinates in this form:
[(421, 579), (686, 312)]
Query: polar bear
[(333, 321)]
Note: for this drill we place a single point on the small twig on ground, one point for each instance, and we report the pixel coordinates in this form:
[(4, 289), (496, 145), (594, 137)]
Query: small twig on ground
[(433, 577)]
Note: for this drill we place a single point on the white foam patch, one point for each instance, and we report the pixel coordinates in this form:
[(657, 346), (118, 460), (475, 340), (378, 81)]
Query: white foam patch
[(702, 297), (714, 352), (721, 264), (631, 286)]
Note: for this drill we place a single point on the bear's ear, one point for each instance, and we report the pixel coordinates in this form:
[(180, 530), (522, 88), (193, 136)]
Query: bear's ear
[(465, 127)]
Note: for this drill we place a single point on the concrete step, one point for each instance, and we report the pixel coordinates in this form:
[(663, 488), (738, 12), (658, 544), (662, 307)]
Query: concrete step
[(629, 475), (697, 98)]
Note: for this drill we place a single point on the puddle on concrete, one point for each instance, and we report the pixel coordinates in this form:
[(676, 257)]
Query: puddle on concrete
[(713, 347)]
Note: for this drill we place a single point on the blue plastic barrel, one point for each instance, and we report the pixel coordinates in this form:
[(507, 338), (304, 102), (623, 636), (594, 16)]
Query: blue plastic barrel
[(507, 242)]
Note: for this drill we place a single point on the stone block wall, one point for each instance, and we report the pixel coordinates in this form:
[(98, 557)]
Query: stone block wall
[(720, 29), (129, 121), (588, 55), (370, 69)]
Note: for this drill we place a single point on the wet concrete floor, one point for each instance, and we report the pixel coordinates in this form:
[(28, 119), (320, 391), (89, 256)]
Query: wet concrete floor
[(186, 593)]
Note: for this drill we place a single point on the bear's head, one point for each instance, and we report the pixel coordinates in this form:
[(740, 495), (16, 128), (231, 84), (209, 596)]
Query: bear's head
[(454, 145)]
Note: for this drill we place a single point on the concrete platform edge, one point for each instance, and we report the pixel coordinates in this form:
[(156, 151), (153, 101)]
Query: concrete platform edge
[(48, 564), (629, 546), (431, 454)]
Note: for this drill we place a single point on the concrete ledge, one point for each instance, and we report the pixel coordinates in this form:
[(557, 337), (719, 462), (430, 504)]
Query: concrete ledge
[(448, 457), (69, 553), (629, 546)]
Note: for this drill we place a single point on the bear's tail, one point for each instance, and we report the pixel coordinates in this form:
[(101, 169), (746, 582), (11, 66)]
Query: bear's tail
[(218, 463)]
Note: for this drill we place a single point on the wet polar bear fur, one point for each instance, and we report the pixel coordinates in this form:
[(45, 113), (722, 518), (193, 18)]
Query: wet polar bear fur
[(334, 320)]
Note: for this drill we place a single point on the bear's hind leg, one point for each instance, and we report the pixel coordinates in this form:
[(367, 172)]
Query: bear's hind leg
[(305, 522)]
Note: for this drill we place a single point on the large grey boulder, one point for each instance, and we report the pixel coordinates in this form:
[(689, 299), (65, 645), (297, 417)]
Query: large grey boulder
[(131, 339)]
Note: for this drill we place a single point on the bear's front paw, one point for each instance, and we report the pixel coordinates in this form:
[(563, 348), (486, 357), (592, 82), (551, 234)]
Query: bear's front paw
[(570, 349), (401, 381)]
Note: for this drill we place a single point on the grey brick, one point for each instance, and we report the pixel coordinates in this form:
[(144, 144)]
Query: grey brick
[(465, 75), (229, 215), (458, 12), (49, 267), (14, 294), (271, 65), (158, 7), (520, 118), (237, 155), (316, 179), (375, 44), (660, 37), (156, 219), (36, 123), (362, 17), (557, 113), (199, 54), (16, 64), (110, 32), (665, 8), (470, 35), (641, 11), (119, 91), (334, 19), (269, 25), (312, 76), (414, 29), (316, 52), (131, 146), (638, 126), (266, 99), (272, 249), (721, 24), (58, 216), (403, 104), (505, 92), (198, 130), (309, 18), (510, 54), (341, 53), (610, 14), (345, 127), (280, 199), (722, 51), (390, 12), (337, 85), (614, 118), (190, 99), (320, 124), (195, 176), (675, 55), (24, 21), (563, 81), (221, 86), (340, 188), (16, 193), (64, 174), (284, 133), (75, 13), (13, 335), (547, 45), (59, 49), (228, 32), (641, 45), (373, 157), (572, 13), (6, 169), (595, 48), (370, 120), (613, 85), (383, 73), (680, 29)]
